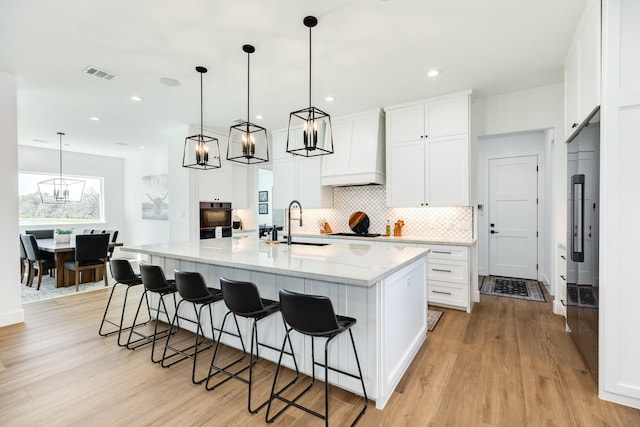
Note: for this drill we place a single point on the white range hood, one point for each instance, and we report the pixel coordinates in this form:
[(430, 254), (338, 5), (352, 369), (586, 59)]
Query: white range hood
[(359, 151)]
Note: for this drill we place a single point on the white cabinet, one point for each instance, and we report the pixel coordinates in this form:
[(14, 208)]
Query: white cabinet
[(428, 153), (448, 276), (582, 68), (358, 156), (226, 184), (297, 178)]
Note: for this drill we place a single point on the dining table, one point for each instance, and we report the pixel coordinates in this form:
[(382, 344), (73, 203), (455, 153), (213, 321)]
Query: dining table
[(63, 252)]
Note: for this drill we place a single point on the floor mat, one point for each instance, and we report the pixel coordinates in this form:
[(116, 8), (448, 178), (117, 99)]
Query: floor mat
[(512, 288)]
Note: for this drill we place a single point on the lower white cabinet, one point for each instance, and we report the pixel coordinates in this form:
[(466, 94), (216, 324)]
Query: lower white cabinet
[(448, 277)]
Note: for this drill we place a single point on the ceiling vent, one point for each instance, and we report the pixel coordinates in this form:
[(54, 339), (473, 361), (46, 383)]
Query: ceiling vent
[(96, 72)]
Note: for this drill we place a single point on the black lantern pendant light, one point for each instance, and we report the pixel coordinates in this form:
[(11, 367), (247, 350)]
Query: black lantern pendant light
[(201, 151), (310, 131), (61, 190), (248, 142)]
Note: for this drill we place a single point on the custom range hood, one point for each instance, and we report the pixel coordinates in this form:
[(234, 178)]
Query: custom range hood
[(359, 153)]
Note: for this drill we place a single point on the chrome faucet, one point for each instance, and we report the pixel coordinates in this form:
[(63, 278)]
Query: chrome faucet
[(293, 203)]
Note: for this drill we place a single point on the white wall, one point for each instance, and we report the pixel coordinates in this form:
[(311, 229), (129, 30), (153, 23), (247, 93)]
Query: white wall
[(265, 183), (534, 109), (10, 304), (138, 230)]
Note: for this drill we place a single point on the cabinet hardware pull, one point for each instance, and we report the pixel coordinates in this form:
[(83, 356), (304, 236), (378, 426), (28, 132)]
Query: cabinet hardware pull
[(441, 252), (563, 278), (438, 269), (562, 302), (440, 292), (563, 257)]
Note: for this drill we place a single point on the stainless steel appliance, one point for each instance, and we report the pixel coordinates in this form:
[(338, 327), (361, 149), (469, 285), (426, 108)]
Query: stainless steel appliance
[(215, 219), (583, 171)]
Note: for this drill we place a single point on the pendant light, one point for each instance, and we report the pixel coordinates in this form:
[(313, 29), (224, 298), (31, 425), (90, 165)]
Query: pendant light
[(61, 190), (310, 131), (247, 141), (201, 151)]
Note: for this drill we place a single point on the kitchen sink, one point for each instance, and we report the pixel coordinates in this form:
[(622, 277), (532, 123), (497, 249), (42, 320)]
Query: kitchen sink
[(307, 243)]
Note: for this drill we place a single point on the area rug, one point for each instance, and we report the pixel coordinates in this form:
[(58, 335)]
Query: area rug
[(512, 288), (48, 289), (432, 319)]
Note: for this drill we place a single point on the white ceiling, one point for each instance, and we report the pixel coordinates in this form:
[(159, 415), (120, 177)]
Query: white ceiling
[(366, 53)]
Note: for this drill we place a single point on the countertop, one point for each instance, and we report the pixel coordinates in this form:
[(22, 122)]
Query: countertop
[(348, 263), (394, 239)]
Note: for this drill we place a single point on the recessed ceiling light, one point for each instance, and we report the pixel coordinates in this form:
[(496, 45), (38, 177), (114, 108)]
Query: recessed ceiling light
[(141, 147), (433, 73), (136, 98), (259, 117), (329, 99), (168, 81), (122, 143), (94, 118)]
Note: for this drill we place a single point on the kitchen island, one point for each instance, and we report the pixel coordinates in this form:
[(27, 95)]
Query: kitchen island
[(384, 288)]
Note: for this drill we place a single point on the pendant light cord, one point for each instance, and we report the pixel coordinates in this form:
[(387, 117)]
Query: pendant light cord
[(309, 67), (201, 120), (248, 88), (60, 133)]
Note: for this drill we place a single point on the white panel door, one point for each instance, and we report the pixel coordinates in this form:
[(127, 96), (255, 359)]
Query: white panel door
[(513, 217)]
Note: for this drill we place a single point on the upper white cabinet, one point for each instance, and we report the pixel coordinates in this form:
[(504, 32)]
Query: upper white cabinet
[(582, 68), (227, 184), (358, 156), (428, 152), (297, 178)]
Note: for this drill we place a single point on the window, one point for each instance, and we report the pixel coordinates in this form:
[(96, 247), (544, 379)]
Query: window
[(33, 211)]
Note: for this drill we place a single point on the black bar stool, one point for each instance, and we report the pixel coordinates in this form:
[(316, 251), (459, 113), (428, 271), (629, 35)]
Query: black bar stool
[(154, 281), (314, 316), (192, 289), (124, 275), (243, 299)]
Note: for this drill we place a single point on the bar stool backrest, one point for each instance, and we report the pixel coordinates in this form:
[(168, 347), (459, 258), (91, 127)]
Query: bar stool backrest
[(122, 271), (191, 285), (308, 314), (241, 297), (153, 277)]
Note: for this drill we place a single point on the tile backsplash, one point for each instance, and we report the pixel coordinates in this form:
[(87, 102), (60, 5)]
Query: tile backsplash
[(433, 222)]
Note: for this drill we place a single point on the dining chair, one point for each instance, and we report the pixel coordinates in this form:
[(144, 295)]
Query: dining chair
[(40, 234), (34, 256), (91, 254), (114, 237), (23, 259)]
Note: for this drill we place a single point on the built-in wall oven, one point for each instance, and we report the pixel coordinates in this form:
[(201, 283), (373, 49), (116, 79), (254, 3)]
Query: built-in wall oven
[(215, 219)]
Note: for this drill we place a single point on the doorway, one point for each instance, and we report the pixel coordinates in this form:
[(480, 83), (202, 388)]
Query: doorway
[(517, 198)]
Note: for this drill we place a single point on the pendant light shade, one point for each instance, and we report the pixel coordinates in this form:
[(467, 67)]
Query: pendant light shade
[(247, 141), (61, 190), (201, 151), (310, 132)]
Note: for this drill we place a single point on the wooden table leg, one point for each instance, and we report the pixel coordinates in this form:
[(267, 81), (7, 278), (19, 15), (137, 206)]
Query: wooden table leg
[(60, 259)]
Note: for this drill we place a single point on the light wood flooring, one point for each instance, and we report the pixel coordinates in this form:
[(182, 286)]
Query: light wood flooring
[(509, 363)]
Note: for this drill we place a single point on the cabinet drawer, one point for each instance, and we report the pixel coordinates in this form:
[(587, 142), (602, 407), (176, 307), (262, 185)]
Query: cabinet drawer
[(448, 271), (449, 294), (453, 253)]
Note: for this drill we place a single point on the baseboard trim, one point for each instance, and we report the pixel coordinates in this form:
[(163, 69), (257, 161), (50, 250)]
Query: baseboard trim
[(12, 317)]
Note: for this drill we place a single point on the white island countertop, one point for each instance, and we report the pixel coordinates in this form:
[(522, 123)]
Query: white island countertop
[(353, 264)]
